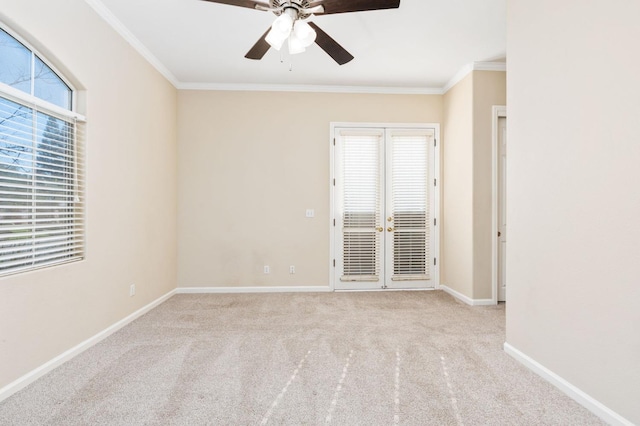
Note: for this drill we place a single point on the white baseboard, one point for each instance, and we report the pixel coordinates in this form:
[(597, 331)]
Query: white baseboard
[(588, 402), (296, 289), (382, 290), (35, 374), (466, 299)]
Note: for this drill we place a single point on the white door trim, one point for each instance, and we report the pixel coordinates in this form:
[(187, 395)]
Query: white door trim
[(436, 192), (498, 111)]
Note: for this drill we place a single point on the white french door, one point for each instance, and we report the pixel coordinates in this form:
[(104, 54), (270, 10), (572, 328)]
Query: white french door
[(384, 208)]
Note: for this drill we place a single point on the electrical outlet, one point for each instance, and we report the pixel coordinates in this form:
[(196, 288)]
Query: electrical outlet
[(132, 290), (292, 269), (267, 270), (310, 213)]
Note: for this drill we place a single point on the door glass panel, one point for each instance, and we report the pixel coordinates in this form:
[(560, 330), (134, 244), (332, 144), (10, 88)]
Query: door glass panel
[(361, 207), (410, 202)]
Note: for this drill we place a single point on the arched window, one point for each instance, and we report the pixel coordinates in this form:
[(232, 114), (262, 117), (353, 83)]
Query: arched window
[(41, 163)]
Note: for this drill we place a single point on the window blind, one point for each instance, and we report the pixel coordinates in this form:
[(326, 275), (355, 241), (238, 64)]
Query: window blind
[(41, 187), (410, 206), (362, 205)]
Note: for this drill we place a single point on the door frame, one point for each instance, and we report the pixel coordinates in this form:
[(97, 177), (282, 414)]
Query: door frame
[(436, 195), (498, 111)]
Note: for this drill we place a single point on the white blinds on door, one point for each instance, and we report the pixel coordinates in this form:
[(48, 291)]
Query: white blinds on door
[(361, 168), (410, 205)]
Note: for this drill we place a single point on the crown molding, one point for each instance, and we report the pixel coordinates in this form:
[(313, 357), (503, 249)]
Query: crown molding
[(469, 68), (121, 29), (311, 88), (490, 66), (458, 77)]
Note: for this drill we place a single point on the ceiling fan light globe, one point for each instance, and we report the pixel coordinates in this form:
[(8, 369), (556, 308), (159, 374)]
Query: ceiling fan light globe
[(308, 41), (302, 29), (295, 45), (283, 25), (275, 39), (304, 33)]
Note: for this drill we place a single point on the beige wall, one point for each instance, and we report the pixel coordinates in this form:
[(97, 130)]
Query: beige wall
[(457, 200), (250, 164), (467, 173), (489, 89), (574, 229), (131, 191)]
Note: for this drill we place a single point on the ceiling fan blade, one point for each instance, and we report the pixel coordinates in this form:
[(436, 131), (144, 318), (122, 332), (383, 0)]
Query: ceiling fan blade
[(329, 45), (242, 3), (344, 6), (260, 48)]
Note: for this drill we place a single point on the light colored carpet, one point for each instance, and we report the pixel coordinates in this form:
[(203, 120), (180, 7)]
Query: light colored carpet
[(393, 358)]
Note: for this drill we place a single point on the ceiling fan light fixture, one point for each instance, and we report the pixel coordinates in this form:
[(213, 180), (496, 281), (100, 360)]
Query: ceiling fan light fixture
[(303, 31)]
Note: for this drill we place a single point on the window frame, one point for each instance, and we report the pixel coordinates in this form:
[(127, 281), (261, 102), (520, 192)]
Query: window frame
[(28, 99), (38, 105)]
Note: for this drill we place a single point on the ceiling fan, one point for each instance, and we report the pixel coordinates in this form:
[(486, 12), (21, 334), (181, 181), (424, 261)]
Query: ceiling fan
[(291, 24)]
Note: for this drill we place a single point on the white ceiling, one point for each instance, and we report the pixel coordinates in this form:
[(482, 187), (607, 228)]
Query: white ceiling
[(423, 44)]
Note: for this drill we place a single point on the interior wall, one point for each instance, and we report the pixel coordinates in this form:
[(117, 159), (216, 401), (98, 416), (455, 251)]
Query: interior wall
[(467, 182), (130, 191), (250, 164), (457, 198), (489, 89), (574, 234)]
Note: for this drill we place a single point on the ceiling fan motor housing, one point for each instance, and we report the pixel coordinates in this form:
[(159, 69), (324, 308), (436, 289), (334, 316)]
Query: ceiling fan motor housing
[(298, 5)]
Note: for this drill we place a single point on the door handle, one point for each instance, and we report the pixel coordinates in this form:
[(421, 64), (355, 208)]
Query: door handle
[(379, 229), (390, 229), (390, 219), (499, 234)]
